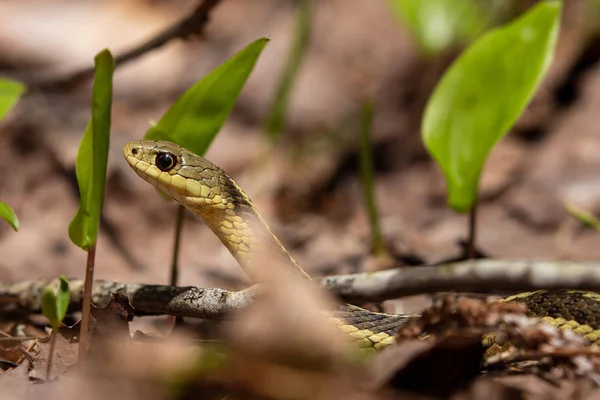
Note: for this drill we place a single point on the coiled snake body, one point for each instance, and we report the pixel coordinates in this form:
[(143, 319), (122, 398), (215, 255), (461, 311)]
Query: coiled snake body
[(216, 198)]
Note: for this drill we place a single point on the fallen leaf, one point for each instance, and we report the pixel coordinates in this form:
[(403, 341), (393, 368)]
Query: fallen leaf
[(432, 367), (65, 355)]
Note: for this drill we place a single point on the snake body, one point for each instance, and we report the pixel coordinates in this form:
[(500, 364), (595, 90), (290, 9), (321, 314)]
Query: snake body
[(211, 194)]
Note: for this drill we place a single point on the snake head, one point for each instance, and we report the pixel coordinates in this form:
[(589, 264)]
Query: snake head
[(207, 191), (191, 180)]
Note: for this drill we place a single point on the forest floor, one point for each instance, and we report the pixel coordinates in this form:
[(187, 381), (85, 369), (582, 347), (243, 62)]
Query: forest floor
[(307, 187)]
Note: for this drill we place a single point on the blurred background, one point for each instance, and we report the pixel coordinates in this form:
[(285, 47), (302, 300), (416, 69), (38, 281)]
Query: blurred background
[(307, 186)]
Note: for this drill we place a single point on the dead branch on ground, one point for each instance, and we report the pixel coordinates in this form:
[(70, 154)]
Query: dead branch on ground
[(192, 24), (470, 276)]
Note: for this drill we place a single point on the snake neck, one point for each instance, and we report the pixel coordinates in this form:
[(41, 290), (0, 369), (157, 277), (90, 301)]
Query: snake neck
[(246, 235)]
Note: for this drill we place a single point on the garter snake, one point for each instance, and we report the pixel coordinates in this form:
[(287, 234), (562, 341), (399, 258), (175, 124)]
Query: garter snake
[(218, 200)]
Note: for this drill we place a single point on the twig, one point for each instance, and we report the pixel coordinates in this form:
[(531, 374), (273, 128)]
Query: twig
[(481, 275), (190, 25), (211, 303), (566, 353), (15, 340)]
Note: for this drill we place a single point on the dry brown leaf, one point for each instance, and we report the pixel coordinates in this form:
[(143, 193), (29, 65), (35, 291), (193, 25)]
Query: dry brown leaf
[(112, 321), (15, 384), (437, 368), (65, 355)]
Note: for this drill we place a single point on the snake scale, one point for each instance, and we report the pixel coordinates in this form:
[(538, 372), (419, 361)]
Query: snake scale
[(211, 194)]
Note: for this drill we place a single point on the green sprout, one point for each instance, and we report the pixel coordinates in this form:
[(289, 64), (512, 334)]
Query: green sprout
[(90, 168), (10, 93), (481, 96), (9, 215), (54, 307)]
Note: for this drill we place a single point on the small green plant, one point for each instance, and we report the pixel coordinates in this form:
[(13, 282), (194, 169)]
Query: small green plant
[(583, 217), (90, 168), (277, 111), (366, 169), (9, 215), (54, 307), (196, 117), (481, 96), (10, 93), (439, 24)]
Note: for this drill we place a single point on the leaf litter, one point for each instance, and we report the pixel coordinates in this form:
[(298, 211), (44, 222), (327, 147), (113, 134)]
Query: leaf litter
[(284, 346)]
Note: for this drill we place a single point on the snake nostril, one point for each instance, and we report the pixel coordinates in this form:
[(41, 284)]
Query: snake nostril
[(134, 151)]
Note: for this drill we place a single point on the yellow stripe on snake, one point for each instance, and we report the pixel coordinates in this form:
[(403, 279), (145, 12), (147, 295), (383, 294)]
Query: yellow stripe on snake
[(211, 194)]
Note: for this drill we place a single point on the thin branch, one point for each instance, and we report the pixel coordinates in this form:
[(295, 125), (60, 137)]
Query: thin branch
[(192, 24), (211, 303), (482, 275)]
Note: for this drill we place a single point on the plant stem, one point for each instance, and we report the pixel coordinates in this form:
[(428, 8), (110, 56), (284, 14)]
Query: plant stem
[(176, 245), (87, 302), (276, 117), (366, 169), (472, 231), (51, 354)]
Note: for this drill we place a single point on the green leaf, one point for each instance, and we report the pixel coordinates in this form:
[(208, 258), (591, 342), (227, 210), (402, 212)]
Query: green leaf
[(10, 92), (93, 156), (276, 118), (583, 216), (49, 307), (55, 306), (482, 94), (9, 215), (196, 117), (438, 24), (63, 298)]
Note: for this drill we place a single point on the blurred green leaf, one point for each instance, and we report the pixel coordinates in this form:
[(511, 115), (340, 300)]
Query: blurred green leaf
[(63, 298), (439, 24), (10, 92), (212, 357), (55, 305), (277, 111), (196, 117), (9, 215), (49, 307), (93, 156), (583, 216), (481, 95), (595, 4)]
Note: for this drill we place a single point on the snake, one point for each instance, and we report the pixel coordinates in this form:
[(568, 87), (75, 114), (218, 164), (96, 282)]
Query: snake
[(211, 194)]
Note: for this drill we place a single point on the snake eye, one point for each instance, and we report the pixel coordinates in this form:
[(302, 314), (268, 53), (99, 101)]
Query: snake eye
[(166, 161)]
